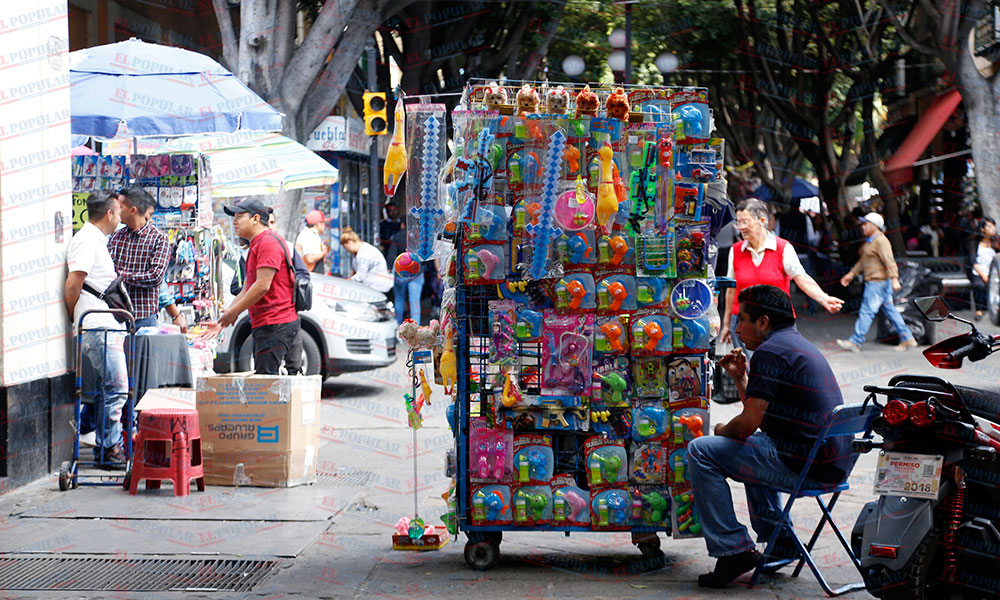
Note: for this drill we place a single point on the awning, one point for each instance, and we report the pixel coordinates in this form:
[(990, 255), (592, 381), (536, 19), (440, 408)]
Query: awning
[(899, 169)]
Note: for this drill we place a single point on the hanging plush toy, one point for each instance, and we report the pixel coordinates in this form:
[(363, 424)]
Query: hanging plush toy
[(395, 156), (617, 105), (527, 101), (495, 96), (586, 103), (556, 101)]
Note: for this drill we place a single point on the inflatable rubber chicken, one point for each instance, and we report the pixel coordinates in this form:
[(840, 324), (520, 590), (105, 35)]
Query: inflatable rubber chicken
[(395, 157)]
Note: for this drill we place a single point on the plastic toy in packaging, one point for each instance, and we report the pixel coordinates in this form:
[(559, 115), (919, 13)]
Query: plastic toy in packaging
[(614, 388), (491, 225), (652, 292), (684, 517), (484, 264), (607, 199), (569, 502), (691, 250), (690, 299), (577, 248), (692, 334), (566, 355), (684, 376), (610, 509), (491, 505), (650, 377), (649, 421), (395, 158), (561, 418), (532, 505), (616, 293), (688, 424), (503, 345), (677, 467), (575, 292), (491, 452), (575, 208), (533, 458), (611, 334), (693, 120), (652, 334), (651, 506), (688, 200), (615, 250), (647, 462), (529, 325), (607, 462), (643, 186), (612, 423)]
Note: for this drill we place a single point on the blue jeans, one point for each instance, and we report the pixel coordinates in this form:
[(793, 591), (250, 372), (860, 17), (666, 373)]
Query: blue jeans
[(878, 296), (105, 377), (414, 287), (755, 462)]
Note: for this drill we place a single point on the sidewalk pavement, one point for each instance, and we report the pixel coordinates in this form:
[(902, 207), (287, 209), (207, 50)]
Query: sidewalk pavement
[(333, 539)]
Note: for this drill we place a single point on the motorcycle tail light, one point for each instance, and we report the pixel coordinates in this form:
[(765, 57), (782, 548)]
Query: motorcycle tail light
[(883, 551), (894, 412), (922, 414)]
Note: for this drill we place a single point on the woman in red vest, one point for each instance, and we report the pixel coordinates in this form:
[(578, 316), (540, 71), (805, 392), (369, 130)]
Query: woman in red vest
[(762, 258)]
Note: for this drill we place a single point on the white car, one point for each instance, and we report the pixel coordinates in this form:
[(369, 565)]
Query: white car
[(351, 327)]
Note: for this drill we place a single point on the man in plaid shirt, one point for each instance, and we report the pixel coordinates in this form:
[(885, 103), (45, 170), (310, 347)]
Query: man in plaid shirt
[(141, 253)]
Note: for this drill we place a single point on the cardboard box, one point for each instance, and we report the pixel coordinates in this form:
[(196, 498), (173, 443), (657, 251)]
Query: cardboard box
[(267, 423)]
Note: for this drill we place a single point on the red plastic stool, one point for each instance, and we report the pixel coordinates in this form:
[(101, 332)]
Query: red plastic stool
[(168, 446)]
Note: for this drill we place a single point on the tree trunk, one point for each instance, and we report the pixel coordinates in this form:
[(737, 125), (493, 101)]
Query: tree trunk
[(982, 113)]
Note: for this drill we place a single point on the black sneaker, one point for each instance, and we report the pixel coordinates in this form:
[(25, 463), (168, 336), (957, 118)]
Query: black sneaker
[(728, 568), (113, 458)]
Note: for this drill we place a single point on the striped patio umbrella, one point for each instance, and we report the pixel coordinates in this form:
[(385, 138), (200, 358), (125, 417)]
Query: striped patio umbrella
[(254, 164)]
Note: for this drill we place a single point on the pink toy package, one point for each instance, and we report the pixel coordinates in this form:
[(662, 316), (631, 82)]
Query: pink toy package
[(567, 342)]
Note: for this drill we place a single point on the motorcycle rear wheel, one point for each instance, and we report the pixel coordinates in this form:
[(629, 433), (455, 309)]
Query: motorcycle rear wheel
[(916, 580)]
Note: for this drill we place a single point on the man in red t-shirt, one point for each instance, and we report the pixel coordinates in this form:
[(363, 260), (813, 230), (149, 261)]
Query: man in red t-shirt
[(268, 292)]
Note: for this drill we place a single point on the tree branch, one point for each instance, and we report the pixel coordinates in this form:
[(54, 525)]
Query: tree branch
[(230, 50)]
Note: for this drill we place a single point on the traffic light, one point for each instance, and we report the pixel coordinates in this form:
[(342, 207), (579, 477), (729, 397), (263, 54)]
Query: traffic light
[(375, 117)]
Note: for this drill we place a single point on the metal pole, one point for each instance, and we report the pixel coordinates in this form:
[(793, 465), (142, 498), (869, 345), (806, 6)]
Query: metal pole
[(628, 43), (374, 195)]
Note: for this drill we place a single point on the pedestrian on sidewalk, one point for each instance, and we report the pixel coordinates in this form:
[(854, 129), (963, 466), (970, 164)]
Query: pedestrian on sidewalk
[(309, 243), (788, 394), (268, 292), (878, 265), (404, 289), (91, 271), (141, 253), (981, 252), (764, 258), (369, 263)]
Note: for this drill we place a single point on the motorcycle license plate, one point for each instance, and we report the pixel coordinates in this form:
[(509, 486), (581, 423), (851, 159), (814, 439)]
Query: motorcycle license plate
[(910, 475)]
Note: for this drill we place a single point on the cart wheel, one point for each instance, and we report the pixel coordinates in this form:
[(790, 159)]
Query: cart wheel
[(651, 550), (482, 555), (65, 478)]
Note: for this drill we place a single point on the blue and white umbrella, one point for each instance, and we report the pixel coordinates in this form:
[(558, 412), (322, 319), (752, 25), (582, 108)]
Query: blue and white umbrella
[(159, 90)]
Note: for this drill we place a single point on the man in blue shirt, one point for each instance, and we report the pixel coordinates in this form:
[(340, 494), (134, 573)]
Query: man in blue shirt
[(788, 393)]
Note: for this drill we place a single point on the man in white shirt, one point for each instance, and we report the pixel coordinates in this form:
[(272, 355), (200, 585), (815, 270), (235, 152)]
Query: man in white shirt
[(105, 372), (309, 243)]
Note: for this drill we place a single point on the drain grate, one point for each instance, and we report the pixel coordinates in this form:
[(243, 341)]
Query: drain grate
[(133, 575), (346, 477)]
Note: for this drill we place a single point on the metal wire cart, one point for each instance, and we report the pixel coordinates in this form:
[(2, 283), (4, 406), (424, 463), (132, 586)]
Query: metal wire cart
[(583, 311)]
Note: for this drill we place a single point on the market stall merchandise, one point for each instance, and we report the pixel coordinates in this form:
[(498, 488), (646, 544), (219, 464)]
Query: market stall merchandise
[(574, 231)]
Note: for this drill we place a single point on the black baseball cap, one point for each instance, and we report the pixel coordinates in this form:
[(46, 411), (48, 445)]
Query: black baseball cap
[(252, 206)]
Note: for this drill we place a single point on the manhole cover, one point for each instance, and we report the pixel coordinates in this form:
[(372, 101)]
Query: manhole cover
[(345, 478), (133, 575)]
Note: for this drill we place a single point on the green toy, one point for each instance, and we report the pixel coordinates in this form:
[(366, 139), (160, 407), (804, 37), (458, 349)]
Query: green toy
[(604, 467), (538, 503), (617, 384), (657, 506)]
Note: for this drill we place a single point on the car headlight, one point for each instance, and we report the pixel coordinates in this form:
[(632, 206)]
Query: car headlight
[(361, 312)]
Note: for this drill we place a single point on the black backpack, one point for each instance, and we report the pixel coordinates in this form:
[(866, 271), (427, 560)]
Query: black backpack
[(301, 279)]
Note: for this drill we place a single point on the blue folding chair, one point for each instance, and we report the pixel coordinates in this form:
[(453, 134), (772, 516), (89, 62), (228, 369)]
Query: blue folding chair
[(844, 420)]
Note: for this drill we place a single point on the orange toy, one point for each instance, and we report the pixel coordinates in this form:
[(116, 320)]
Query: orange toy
[(619, 292), (618, 105), (620, 248), (572, 156), (694, 424), (586, 103), (613, 332), (578, 291), (653, 334)]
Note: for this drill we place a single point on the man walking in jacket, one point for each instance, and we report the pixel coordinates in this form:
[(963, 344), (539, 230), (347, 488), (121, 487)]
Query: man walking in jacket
[(881, 280)]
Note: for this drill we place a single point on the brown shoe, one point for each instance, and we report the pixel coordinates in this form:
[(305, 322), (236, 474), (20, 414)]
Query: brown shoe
[(904, 346)]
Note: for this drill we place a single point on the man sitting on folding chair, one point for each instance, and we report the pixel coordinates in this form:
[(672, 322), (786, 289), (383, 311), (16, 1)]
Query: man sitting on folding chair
[(789, 393)]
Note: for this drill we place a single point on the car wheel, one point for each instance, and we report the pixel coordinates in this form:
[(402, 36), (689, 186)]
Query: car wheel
[(993, 291), (244, 360), (313, 359)]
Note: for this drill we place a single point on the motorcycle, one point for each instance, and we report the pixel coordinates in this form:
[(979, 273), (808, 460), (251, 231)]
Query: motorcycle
[(933, 532)]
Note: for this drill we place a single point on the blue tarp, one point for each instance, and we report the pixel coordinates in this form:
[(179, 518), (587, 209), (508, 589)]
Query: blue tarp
[(800, 189)]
